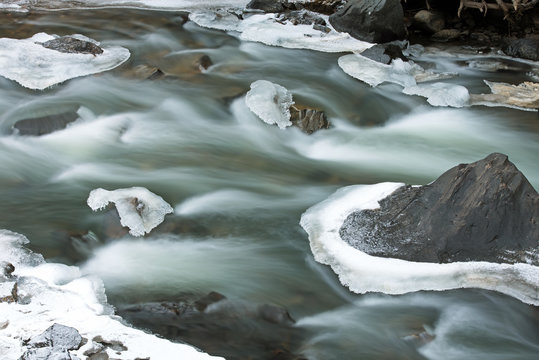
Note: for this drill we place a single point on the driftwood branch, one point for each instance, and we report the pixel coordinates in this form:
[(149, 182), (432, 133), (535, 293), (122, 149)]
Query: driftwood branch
[(483, 5)]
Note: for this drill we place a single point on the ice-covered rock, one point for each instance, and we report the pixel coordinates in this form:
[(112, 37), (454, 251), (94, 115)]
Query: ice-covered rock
[(78, 304), (362, 273), (375, 73), (140, 210), (269, 30), (441, 94), (524, 96), (34, 66), (270, 102)]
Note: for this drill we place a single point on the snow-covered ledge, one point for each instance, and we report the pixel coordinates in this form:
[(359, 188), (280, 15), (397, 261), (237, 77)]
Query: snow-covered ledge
[(49, 293)]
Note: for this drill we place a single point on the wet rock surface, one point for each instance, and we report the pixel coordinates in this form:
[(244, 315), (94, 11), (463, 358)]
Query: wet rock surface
[(385, 53), (483, 211), (45, 124), (309, 120), (220, 326), (371, 20), (68, 44), (522, 48)]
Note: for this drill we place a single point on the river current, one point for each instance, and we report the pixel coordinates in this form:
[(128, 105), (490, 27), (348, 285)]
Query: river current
[(239, 186)]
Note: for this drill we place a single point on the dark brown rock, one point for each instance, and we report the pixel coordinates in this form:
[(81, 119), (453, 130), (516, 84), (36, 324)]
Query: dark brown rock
[(68, 44), (483, 211), (527, 48), (307, 119), (447, 35), (429, 21)]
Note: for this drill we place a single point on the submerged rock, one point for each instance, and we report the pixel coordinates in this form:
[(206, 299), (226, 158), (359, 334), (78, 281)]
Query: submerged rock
[(45, 124), (376, 21), (483, 211), (217, 325), (71, 45)]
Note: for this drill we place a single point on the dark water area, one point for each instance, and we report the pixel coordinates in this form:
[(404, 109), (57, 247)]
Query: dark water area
[(239, 187)]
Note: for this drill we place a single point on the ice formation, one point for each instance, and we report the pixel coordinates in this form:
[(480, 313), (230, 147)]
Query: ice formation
[(266, 28), (270, 102), (408, 75), (51, 293), (441, 94), (362, 273), (36, 67), (139, 209)]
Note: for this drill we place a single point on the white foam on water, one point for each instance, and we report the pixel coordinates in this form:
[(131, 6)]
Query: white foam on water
[(362, 273), (270, 102), (140, 210), (36, 67), (441, 94), (55, 293), (266, 29)]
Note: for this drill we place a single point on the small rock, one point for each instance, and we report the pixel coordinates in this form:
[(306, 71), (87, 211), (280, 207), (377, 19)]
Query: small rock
[(112, 344), (213, 297), (307, 119), (58, 337), (385, 53), (47, 353), (68, 44), (144, 72), (8, 292), (102, 355), (446, 35), (183, 64), (6, 269), (275, 314), (429, 21), (45, 124)]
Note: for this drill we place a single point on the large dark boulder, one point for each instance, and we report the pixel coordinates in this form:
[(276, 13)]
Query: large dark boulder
[(371, 20), (270, 6), (527, 48), (483, 211)]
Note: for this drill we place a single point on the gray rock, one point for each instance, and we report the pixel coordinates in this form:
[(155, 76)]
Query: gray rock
[(58, 337), (429, 21), (376, 21), (385, 53), (6, 269), (327, 7), (527, 48), (68, 44), (483, 211), (45, 124), (307, 119), (47, 353)]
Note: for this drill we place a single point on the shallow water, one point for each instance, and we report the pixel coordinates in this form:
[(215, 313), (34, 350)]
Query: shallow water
[(239, 186)]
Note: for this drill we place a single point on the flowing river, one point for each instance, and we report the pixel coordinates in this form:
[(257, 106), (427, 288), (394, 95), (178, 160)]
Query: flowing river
[(239, 186)]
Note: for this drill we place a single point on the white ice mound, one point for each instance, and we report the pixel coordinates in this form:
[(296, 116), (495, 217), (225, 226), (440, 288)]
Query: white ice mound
[(36, 67), (269, 30), (441, 94), (55, 293), (362, 273), (140, 210), (270, 102)]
